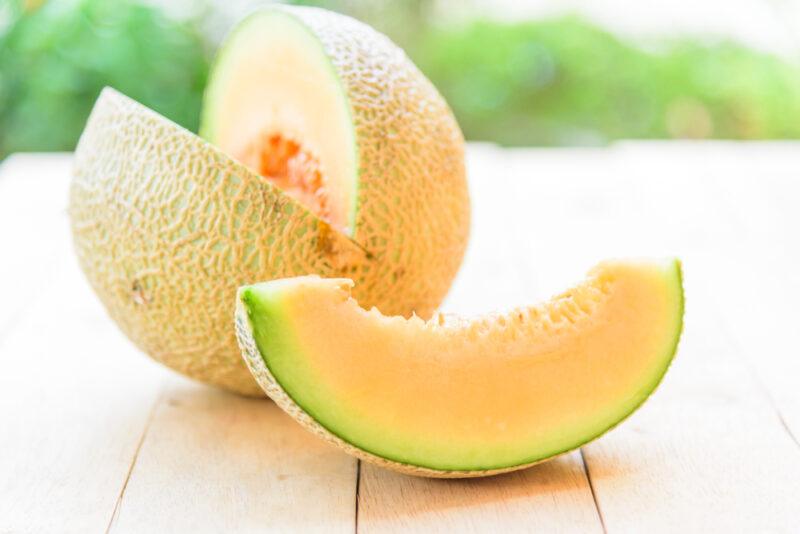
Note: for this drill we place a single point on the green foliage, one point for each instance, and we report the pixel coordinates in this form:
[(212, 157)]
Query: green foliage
[(55, 59), (551, 82), (566, 81)]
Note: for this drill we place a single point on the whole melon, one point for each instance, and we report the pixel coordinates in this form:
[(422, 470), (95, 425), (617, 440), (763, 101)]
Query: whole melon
[(363, 177)]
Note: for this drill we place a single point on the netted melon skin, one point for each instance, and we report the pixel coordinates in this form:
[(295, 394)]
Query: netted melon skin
[(166, 227), (413, 208)]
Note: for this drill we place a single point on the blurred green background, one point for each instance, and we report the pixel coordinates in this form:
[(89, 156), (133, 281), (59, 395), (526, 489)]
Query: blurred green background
[(555, 81)]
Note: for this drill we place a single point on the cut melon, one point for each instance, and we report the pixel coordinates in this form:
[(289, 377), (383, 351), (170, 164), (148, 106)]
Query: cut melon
[(354, 168), (276, 103), (453, 397), (336, 115)]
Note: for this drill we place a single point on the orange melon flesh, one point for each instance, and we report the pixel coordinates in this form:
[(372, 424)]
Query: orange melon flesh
[(275, 103), (471, 395)]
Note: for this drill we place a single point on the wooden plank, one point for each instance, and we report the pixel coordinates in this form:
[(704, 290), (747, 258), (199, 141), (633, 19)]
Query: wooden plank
[(216, 462), (757, 207), (74, 394), (551, 497), (33, 197), (754, 278), (708, 451), (75, 397)]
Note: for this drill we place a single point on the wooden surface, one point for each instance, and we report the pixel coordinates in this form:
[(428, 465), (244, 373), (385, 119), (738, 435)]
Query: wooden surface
[(95, 437)]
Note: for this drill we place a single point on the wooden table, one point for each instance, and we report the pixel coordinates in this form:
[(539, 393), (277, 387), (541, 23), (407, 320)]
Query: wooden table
[(96, 437)]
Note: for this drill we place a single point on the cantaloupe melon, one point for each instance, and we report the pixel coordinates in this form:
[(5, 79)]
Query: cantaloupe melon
[(336, 115), (453, 397), (350, 164)]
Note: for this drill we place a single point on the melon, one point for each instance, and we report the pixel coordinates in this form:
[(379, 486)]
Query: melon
[(326, 151), (337, 116), (457, 397)]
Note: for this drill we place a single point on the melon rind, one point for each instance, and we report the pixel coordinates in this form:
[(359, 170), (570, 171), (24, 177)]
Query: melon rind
[(257, 364), (163, 223)]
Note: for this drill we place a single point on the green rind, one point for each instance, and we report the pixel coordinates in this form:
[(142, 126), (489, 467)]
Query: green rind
[(208, 111), (249, 305)]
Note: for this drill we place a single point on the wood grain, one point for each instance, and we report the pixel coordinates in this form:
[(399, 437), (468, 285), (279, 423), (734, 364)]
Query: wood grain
[(94, 435), (686, 461), (216, 462), (708, 453), (758, 217), (33, 197), (550, 497), (74, 394)]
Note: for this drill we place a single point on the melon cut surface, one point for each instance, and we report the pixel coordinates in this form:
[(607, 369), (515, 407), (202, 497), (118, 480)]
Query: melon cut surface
[(276, 103), (454, 397)]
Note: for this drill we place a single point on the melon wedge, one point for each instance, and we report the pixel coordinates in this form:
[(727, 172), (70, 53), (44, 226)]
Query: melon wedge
[(452, 397)]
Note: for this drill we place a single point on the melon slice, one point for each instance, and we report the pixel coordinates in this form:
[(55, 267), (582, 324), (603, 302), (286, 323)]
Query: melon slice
[(453, 397)]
